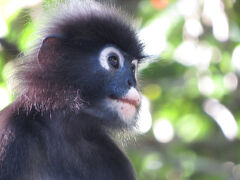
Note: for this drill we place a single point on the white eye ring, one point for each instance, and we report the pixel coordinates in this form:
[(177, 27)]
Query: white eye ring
[(104, 55), (135, 63)]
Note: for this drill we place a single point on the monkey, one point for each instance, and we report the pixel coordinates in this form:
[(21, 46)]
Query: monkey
[(76, 87)]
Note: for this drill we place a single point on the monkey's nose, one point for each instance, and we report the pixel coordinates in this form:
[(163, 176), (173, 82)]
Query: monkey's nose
[(131, 83)]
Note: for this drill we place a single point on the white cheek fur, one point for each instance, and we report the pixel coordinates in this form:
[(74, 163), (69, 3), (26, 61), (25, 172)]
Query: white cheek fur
[(103, 58), (133, 94), (104, 63), (125, 111), (135, 63)]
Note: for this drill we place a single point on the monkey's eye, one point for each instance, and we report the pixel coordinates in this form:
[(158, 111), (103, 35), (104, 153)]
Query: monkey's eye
[(113, 60)]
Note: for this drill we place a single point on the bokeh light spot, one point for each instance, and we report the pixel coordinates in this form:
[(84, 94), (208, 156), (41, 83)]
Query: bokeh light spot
[(144, 123), (230, 81), (236, 59), (152, 91), (4, 97), (160, 4), (206, 85), (223, 117), (163, 131)]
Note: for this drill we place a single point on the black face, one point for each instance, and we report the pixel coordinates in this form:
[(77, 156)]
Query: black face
[(103, 75), (109, 86)]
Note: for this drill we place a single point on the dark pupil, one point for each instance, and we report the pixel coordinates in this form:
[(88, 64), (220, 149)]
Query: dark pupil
[(114, 61)]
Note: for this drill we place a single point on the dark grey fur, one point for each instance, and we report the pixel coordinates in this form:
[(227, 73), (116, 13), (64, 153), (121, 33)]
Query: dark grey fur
[(46, 132)]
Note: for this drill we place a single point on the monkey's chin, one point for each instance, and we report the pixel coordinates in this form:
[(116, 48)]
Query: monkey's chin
[(126, 110), (114, 113)]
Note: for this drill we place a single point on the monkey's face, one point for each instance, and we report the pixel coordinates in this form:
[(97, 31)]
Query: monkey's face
[(112, 93), (104, 75), (96, 54)]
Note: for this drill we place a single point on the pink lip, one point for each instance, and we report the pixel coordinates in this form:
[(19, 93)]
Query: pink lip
[(130, 101)]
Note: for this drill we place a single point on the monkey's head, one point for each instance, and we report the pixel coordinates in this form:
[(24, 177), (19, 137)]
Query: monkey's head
[(95, 53)]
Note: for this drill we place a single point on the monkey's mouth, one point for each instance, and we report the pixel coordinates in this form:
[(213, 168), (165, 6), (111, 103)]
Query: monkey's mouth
[(132, 98), (133, 102), (126, 108), (130, 101)]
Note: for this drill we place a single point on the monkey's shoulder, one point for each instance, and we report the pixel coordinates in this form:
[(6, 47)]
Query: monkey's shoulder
[(108, 161), (39, 150)]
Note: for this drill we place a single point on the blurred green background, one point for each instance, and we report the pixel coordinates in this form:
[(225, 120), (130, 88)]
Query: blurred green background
[(189, 123)]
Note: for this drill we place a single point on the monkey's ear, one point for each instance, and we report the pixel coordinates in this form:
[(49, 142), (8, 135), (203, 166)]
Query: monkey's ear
[(49, 51)]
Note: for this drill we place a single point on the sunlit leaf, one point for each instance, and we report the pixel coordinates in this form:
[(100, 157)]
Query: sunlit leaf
[(4, 96)]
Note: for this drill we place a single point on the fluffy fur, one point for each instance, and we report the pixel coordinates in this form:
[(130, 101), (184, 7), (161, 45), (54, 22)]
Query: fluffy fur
[(48, 132), (95, 25)]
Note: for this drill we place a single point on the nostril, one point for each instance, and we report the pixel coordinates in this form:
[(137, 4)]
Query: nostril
[(113, 96), (129, 83)]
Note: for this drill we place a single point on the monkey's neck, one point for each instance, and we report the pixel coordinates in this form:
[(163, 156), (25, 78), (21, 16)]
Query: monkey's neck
[(62, 131), (51, 98), (61, 122)]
